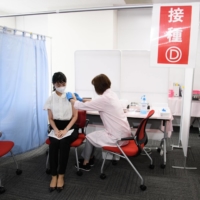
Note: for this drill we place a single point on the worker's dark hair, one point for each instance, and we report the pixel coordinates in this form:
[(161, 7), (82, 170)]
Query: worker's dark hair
[(101, 83)]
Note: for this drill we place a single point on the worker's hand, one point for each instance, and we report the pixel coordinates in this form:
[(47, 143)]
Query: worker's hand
[(69, 95), (78, 97)]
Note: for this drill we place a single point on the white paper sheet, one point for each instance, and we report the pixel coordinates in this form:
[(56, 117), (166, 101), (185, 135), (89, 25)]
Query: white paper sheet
[(52, 134)]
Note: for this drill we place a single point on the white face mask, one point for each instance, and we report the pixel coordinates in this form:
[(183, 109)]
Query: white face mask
[(60, 89)]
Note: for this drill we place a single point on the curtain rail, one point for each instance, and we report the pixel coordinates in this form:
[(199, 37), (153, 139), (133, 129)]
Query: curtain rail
[(78, 10), (16, 30)]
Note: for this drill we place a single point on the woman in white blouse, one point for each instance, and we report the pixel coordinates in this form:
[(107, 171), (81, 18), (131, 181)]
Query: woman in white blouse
[(62, 118)]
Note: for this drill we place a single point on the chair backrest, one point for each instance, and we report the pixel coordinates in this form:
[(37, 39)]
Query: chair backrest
[(81, 121), (141, 136)]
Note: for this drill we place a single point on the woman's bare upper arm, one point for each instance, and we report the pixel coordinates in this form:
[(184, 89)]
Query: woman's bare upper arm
[(74, 112)]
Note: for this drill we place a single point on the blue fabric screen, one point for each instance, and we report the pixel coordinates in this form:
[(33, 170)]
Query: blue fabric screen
[(23, 91)]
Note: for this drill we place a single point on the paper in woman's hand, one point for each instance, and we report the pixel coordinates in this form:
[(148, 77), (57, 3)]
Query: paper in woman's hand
[(52, 134)]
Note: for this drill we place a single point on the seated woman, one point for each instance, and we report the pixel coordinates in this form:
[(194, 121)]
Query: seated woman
[(112, 115), (62, 118)]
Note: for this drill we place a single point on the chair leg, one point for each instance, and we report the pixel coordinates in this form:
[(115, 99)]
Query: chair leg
[(151, 166), (79, 172), (18, 171), (76, 154), (102, 166), (14, 159), (125, 156), (103, 176)]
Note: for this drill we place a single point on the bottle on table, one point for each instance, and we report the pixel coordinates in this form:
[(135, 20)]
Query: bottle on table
[(143, 107)]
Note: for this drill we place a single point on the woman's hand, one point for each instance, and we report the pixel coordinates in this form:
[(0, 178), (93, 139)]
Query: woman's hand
[(62, 133), (57, 132)]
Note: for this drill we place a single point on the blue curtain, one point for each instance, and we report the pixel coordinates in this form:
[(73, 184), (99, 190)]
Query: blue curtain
[(23, 91)]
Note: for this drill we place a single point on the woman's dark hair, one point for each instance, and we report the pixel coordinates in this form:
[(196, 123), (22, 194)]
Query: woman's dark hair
[(58, 77), (101, 83)]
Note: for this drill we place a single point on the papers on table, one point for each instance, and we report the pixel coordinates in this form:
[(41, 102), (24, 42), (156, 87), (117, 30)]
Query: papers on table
[(52, 134)]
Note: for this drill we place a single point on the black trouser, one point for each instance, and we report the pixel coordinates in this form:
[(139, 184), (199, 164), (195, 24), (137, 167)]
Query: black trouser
[(60, 148)]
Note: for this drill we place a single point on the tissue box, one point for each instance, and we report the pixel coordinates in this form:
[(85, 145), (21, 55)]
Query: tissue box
[(164, 111)]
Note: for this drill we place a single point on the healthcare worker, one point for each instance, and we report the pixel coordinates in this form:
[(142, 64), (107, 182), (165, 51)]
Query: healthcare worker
[(62, 118), (112, 115)]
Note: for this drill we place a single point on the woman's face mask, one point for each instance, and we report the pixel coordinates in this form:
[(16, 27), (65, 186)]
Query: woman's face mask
[(61, 89)]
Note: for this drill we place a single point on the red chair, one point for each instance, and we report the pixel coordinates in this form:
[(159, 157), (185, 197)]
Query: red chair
[(5, 147), (82, 123), (133, 148)]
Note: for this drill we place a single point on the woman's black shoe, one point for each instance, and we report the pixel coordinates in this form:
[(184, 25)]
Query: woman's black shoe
[(59, 189), (51, 189)]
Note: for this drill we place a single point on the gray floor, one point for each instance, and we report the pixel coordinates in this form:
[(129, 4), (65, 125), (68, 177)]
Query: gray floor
[(121, 182)]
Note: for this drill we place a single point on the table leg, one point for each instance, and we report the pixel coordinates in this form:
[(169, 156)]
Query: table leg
[(199, 126), (164, 146)]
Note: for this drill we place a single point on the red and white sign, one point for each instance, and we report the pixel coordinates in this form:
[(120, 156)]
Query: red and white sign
[(174, 35)]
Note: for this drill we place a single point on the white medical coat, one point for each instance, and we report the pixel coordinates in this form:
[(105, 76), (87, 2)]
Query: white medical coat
[(113, 117)]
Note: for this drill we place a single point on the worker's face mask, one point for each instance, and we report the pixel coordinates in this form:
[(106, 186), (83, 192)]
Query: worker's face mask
[(60, 89)]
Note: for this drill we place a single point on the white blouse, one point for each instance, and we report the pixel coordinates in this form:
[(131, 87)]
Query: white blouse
[(60, 107)]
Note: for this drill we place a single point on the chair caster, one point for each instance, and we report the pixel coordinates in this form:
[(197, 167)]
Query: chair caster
[(102, 176), (114, 162), (143, 187), (18, 171), (2, 190), (48, 171), (151, 166), (162, 166), (79, 173)]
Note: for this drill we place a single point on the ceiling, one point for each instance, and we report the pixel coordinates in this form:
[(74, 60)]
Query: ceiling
[(19, 6), (26, 6)]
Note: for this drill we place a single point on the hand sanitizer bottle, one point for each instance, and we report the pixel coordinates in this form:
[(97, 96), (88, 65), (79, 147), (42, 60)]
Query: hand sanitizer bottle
[(143, 108)]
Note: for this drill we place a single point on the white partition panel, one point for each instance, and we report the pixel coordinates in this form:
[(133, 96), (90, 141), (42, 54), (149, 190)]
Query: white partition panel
[(138, 78), (186, 109), (89, 63)]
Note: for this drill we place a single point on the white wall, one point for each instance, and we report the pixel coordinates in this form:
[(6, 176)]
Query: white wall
[(123, 30), (134, 28), (8, 22), (79, 31), (34, 24)]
